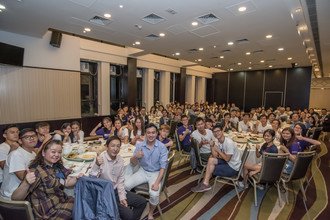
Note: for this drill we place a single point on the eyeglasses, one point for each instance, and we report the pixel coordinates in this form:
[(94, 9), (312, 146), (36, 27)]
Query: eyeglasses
[(29, 137), (216, 131)]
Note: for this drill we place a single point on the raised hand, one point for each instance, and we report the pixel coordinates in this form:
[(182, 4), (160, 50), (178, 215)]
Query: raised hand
[(30, 177), (99, 160), (139, 154)]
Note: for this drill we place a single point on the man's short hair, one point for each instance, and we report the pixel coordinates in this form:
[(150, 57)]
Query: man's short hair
[(184, 116), (26, 130), (8, 127), (151, 125), (42, 124), (248, 114), (165, 127), (198, 119), (219, 125), (115, 137)]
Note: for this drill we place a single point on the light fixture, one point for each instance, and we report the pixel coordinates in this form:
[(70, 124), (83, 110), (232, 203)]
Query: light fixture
[(87, 29), (250, 62), (194, 23), (247, 53), (250, 68), (270, 66), (137, 42), (107, 15), (317, 69), (2, 7), (221, 57), (298, 10), (269, 36), (219, 65), (162, 35), (121, 6), (322, 88), (199, 60), (230, 43), (280, 49), (241, 9), (239, 64), (214, 46), (289, 58), (262, 61), (201, 49), (231, 69), (177, 54)]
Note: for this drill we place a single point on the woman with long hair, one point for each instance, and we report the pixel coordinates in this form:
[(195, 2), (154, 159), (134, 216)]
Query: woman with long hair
[(103, 128), (138, 132), (121, 131), (78, 134), (43, 185), (65, 135)]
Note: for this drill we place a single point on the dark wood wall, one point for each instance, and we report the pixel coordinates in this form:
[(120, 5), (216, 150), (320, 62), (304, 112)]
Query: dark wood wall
[(269, 88)]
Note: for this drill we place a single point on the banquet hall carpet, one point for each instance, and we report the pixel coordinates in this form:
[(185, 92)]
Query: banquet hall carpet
[(224, 204)]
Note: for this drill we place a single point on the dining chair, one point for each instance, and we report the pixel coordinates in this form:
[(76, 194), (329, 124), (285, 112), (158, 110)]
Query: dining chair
[(173, 127), (271, 172), (199, 160), (182, 154), (143, 189), (15, 210)]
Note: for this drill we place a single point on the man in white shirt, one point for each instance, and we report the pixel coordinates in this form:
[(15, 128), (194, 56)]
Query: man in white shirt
[(262, 125), (245, 125), (17, 162), (10, 133), (225, 160), (233, 118)]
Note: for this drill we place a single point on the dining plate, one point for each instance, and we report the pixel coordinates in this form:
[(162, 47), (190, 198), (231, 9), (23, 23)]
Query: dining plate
[(242, 140)]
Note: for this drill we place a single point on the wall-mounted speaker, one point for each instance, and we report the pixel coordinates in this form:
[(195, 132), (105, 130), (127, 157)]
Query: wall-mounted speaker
[(56, 39)]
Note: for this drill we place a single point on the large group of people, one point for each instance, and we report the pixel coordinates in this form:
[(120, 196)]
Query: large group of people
[(31, 166)]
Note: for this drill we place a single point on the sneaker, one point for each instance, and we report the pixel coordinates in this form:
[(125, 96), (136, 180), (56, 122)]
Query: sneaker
[(260, 186), (240, 184), (201, 187)]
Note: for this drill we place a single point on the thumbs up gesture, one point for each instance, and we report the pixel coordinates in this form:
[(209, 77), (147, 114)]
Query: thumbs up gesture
[(139, 154), (30, 177)]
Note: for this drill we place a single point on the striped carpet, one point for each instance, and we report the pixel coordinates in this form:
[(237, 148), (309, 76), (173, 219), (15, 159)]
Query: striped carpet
[(224, 204)]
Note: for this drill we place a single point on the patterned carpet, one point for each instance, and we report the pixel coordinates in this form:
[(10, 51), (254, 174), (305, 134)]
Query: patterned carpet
[(224, 204)]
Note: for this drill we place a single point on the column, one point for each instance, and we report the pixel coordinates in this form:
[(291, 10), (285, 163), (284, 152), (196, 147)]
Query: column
[(201, 89), (148, 88), (180, 94), (131, 81), (164, 90), (104, 89), (190, 89)]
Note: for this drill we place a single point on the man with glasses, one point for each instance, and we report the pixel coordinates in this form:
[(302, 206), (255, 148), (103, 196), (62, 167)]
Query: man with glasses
[(18, 162), (10, 133), (225, 160)]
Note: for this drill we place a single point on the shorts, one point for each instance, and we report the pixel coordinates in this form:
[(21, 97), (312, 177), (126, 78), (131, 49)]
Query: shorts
[(223, 169)]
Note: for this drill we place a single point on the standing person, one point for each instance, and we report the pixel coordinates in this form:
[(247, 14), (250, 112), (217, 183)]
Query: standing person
[(10, 133), (44, 184), (103, 128), (225, 160), (152, 156), (17, 162), (42, 129), (110, 166), (78, 134)]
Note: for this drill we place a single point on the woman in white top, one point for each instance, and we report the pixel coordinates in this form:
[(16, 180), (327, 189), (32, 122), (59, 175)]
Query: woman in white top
[(65, 134), (138, 132), (78, 134), (121, 131)]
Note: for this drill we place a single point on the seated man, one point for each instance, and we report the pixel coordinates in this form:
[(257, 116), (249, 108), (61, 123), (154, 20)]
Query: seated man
[(164, 131), (152, 156), (42, 129), (10, 133), (203, 137), (225, 160), (262, 125), (245, 125), (110, 166), (18, 161)]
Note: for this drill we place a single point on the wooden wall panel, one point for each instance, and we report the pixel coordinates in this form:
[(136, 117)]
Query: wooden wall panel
[(34, 94)]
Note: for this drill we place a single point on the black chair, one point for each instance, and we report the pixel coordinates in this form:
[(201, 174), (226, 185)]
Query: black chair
[(182, 154), (173, 127), (299, 171), (143, 189), (234, 179), (316, 133), (199, 160), (15, 210), (271, 172)]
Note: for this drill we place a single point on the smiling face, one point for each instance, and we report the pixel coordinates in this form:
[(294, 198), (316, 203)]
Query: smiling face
[(297, 129), (53, 154), (29, 140), (67, 129), (113, 148), (117, 124), (75, 128), (286, 135), (268, 137), (151, 134), (11, 134), (43, 130)]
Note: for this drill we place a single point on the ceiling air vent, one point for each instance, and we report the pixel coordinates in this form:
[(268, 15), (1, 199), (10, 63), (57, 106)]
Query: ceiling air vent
[(243, 41), (171, 11), (153, 19), (258, 51), (99, 20), (152, 37), (225, 51), (208, 18), (193, 50)]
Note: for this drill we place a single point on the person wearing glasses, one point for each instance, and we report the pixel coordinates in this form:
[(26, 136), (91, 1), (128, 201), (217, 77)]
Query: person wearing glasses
[(18, 161)]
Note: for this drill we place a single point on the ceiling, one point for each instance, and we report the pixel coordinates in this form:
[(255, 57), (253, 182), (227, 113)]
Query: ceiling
[(219, 22)]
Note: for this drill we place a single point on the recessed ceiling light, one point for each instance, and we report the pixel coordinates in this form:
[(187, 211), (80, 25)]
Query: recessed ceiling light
[(250, 62), (162, 35), (250, 68), (0, 10), (87, 29), (262, 61), (2, 7), (199, 60), (221, 57), (322, 87), (247, 53), (177, 53), (121, 6), (241, 9), (269, 36), (194, 23), (201, 48), (289, 58), (84, 31), (239, 64), (214, 46), (280, 49), (219, 65), (231, 69), (107, 15), (270, 66), (137, 42), (230, 43)]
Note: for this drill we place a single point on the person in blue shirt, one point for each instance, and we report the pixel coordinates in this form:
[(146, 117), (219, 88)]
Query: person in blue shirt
[(104, 129), (152, 156), (268, 147), (300, 132), (291, 146)]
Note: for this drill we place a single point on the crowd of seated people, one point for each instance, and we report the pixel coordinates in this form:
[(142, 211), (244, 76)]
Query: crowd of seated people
[(29, 155)]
